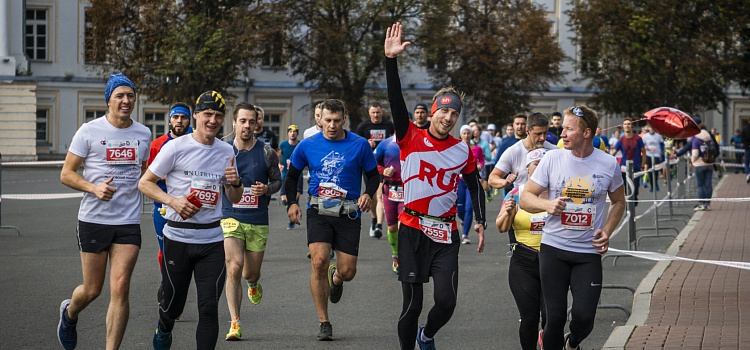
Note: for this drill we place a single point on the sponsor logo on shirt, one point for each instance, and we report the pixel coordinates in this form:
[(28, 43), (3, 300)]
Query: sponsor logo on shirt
[(578, 188)]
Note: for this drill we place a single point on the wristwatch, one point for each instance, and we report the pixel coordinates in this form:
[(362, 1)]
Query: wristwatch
[(483, 223)]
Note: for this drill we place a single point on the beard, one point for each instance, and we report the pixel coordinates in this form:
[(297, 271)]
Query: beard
[(175, 133)]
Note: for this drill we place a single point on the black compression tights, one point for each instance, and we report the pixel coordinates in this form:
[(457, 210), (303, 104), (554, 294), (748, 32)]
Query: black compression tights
[(446, 286)]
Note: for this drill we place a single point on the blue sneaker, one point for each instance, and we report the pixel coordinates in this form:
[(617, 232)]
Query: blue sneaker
[(162, 341), (66, 332), (424, 345)]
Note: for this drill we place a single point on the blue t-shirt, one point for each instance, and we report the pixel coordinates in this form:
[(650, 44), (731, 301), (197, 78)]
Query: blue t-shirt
[(507, 142), (286, 153), (388, 154), (341, 162), (737, 141), (631, 150), (251, 167)]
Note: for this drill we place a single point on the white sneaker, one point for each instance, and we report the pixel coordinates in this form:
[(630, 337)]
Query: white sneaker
[(700, 207), (747, 178), (372, 232)]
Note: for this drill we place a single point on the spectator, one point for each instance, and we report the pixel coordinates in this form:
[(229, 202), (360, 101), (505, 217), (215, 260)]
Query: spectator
[(737, 143), (703, 167), (745, 136)]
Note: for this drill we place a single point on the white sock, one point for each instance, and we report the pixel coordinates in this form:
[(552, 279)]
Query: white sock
[(424, 337)]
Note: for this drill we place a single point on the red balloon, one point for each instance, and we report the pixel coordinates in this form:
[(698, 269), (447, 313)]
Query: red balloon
[(672, 123)]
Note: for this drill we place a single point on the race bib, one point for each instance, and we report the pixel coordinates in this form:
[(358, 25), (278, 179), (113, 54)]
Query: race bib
[(248, 201), (377, 134), (537, 223), (331, 190), (578, 216), (207, 192), (438, 231), (396, 193), (122, 152)]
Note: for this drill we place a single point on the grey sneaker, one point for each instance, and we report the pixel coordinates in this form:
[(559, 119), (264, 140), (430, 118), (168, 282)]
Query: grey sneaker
[(336, 289), (326, 332)]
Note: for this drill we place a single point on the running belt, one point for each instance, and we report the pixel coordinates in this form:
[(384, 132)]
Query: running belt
[(413, 212)]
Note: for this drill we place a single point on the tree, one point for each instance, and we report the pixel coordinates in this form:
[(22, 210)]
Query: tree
[(337, 45), (173, 51), (642, 54), (496, 51)]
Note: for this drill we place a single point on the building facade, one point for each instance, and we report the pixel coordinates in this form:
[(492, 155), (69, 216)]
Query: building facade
[(48, 90)]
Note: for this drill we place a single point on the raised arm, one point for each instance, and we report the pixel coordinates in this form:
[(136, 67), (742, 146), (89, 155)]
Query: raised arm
[(393, 47)]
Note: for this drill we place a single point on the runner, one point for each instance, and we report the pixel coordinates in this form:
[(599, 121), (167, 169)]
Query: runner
[(245, 222), (389, 165), (113, 150), (375, 131), (578, 181), (287, 147), (464, 206), (632, 148), (265, 135), (654, 148), (428, 239), (195, 168), (315, 128), (523, 271), (336, 160), (179, 124), (420, 116)]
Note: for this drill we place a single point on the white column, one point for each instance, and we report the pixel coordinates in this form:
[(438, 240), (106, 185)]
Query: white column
[(4, 20)]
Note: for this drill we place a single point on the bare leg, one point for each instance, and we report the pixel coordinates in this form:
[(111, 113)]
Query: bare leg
[(94, 267), (122, 259), (234, 249), (320, 258)]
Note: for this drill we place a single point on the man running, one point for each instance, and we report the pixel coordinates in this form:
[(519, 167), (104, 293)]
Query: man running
[(420, 116), (387, 154), (631, 147), (113, 150), (265, 135), (428, 240), (336, 160), (315, 128), (287, 147), (196, 167), (578, 180), (245, 223), (375, 131), (556, 127), (179, 124)]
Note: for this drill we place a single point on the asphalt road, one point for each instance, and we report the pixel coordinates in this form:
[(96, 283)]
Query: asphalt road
[(42, 267)]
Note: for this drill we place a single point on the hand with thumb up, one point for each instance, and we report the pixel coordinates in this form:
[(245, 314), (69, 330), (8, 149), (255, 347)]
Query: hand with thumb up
[(230, 172), (104, 191)]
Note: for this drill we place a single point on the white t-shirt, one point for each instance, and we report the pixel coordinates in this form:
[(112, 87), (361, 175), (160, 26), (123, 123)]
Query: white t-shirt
[(310, 131), (109, 151), (653, 144), (586, 181), (513, 160), (190, 165)]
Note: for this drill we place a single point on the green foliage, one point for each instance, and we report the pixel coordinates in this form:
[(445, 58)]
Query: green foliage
[(496, 51), (174, 52), (642, 54)]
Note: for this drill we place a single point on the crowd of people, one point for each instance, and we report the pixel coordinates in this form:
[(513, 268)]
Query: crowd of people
[(211, 213)]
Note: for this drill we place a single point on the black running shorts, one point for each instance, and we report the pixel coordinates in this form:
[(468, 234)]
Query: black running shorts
[(419, 257), (95, 238), (341, 232)]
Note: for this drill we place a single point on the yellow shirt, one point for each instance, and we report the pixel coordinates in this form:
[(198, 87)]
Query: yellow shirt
[(528, 227)]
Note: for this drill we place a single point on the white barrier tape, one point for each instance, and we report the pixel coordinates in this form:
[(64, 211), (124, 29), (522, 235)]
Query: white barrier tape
[(732, 165), (658, 167), (731, 200), (665, 257), (732, 149), (38, 163), (42, 196)]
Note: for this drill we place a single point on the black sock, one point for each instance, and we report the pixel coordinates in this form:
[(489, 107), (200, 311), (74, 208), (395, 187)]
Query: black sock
[(374, 222), (379, 226)]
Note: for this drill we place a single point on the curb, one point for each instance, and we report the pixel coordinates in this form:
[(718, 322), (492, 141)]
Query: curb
[(642, 298)]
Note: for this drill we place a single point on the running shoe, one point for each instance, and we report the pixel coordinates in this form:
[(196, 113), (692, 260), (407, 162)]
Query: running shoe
[(700, 207), (290, 226), (747, 178), (66, 332), (395, 264), (567, 337), (424, 345), (378, 232), (255, 293), (326, 332), (235, 331), (336, 289), (162, 341), (465, 240)]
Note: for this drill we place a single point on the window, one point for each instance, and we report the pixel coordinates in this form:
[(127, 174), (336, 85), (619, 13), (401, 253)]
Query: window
[(273, 53), (272, 121), (37, 27), (92, 114), (90, 53), (157, 122), (42, 126)]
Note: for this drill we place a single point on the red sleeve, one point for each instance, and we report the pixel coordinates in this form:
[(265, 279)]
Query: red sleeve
[(471, 163), (380, 169), (411, 130), (156, 147)]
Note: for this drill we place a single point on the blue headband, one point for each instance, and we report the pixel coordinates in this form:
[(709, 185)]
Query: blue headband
[(115, 81), (448, 100), (179, 110)]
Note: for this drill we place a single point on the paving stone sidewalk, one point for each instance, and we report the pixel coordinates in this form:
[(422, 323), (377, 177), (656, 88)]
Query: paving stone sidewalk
[(702, 306)]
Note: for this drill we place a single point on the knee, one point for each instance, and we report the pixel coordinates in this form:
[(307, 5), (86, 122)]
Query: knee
[(346, 273), (251, 276), (320, 266), (91, 292), (209, 307), (234, 269), (119, 289), (446, 302)]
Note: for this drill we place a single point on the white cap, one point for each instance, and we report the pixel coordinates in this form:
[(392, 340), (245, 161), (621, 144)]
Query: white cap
[(464, 127), (535, 155), (491, 127)]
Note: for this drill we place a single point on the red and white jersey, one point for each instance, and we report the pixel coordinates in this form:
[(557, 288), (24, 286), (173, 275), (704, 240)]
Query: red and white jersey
[(430, 170)]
